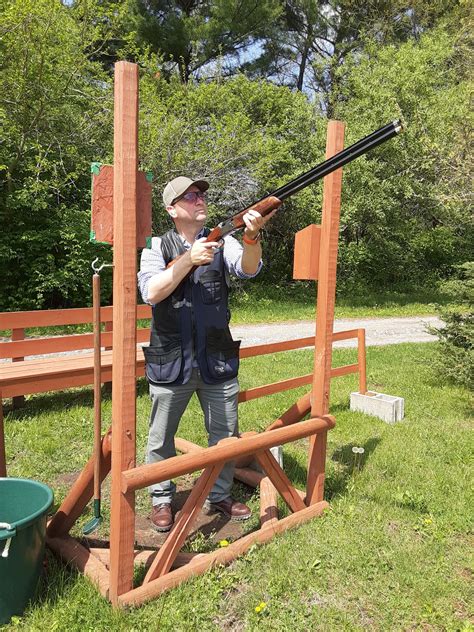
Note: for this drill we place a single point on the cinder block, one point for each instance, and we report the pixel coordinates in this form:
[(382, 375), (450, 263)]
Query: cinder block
[(386, 407), (277, 452)]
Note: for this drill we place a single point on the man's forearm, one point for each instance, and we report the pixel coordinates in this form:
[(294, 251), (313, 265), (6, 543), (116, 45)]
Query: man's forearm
[(251, 257), (164, 283)]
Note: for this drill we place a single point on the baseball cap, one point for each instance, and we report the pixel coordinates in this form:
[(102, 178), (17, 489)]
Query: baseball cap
[(180, 185)]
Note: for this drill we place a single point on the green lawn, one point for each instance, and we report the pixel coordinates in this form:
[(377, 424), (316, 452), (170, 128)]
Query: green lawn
[(263, 303), (394, 552)]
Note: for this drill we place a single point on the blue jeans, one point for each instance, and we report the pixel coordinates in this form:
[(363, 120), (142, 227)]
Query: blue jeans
[(219, 404)]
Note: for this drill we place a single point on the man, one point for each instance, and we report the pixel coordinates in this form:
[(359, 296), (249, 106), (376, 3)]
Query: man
[(191, 348)]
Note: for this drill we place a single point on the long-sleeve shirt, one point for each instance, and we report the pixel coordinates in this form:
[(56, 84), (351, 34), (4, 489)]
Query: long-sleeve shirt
[(152, 261)]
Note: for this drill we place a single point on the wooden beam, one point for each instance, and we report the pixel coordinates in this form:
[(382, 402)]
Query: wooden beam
[(221, 556), (80, 493), (79, 557), (122, 524), (325, 312), (139, 477)]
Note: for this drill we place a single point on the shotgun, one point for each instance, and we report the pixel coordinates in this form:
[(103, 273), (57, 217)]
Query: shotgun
[(274, 200)]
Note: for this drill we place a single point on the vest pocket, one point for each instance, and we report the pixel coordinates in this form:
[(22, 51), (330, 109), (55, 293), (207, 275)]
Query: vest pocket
[(222, 354), (210, 283), (163, 365)]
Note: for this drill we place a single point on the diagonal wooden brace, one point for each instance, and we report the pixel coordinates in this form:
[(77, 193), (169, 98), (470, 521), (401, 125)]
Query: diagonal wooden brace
[(280, 480), (175, 540)]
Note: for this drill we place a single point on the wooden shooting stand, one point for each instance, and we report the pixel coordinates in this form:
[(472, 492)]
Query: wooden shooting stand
[(112, 569)]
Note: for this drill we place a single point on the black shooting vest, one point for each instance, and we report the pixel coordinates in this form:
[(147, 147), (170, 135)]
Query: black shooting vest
[(192, 323)]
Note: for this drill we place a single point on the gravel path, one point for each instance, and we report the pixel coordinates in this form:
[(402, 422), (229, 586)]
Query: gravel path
[(378, 331)]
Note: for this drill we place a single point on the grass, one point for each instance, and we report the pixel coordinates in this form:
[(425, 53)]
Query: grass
[(394, 552), (256, 303)]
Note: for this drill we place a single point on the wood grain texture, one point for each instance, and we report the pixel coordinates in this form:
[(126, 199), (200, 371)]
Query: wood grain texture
[(122, 522), (280, 480), (139, 477), (183, 524), (326, 297), (77, 556)]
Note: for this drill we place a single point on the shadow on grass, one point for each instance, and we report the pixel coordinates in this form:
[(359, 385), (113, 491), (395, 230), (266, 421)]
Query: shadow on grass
[(52, 402), (349, 462)]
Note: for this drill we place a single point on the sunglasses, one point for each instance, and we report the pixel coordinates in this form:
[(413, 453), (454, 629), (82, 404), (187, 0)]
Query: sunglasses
[(192, 196)]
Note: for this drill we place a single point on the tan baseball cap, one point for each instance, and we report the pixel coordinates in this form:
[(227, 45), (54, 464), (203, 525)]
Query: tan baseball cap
[(180, 185)]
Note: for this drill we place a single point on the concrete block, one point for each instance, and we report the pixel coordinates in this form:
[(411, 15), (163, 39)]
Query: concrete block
[(277, 452), (386, 407)]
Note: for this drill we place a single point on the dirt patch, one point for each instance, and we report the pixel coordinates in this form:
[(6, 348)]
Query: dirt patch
[(209, 528)]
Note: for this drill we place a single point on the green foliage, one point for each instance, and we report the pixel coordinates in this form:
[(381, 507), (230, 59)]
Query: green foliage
[(405, 216), (191, 34), (246, 137), (455, 360), (55, 117)]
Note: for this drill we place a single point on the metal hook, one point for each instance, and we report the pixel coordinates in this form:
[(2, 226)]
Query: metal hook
[(98, 269)]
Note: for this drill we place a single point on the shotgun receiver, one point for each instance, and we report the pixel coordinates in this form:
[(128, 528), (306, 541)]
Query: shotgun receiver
[(274, 200)]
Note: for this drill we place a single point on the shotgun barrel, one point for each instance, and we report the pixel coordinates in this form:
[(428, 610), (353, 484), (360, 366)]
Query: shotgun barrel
[(272, 201)]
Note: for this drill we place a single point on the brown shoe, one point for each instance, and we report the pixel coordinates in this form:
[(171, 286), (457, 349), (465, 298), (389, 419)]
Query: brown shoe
[(162, 517), (232, 509)]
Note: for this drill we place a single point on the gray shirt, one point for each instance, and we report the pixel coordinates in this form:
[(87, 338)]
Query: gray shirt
[(152, 261)]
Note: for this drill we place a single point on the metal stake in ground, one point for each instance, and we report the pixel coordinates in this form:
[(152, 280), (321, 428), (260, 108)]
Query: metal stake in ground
[(94, 523)]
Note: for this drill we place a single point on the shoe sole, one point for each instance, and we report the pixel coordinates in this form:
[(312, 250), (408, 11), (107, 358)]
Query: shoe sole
[(162, 529), (210, 506)]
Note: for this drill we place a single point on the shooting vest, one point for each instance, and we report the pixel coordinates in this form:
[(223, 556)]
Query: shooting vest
[(192, 325)]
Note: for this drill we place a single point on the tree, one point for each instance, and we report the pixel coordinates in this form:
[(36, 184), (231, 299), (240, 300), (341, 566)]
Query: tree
[(311, 40), (455, 360), (190, 34), (406, 217), (55, 117)]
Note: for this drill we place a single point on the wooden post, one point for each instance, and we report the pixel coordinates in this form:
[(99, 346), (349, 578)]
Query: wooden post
[(3, 460), (325, 313), (122, 527), (362, 362), (18, 334)]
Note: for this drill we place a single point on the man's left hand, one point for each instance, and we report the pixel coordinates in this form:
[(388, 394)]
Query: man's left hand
[(254, 222)]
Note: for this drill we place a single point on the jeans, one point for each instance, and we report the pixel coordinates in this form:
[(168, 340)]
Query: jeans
[(219, 404)]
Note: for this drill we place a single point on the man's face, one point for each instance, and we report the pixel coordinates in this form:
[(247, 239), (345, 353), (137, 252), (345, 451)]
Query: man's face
[(190, 207)]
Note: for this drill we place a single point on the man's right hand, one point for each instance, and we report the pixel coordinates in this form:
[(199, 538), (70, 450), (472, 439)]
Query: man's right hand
[(202, 252)]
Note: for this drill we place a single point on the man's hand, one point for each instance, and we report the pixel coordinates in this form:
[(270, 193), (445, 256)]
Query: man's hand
[(202, 252), (254, 222)]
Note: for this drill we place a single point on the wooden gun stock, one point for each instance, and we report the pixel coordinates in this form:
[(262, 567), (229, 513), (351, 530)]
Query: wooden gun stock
[(236, 222)]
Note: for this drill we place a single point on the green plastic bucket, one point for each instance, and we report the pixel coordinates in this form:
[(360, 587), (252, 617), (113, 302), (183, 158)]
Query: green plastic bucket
[(24, 506)]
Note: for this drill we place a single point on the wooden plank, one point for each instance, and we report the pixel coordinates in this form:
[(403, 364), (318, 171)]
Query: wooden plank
[(325, 312), (344, 370), (58, 344), (79, 557), (306, 254), (122, 523), (274, 347), (268, 502), (361, 360), (222, 556), (53, 317), (276, 387), (144, 556)]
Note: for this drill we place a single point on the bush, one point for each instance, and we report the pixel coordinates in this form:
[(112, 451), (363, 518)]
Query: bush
[(456, 354)]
